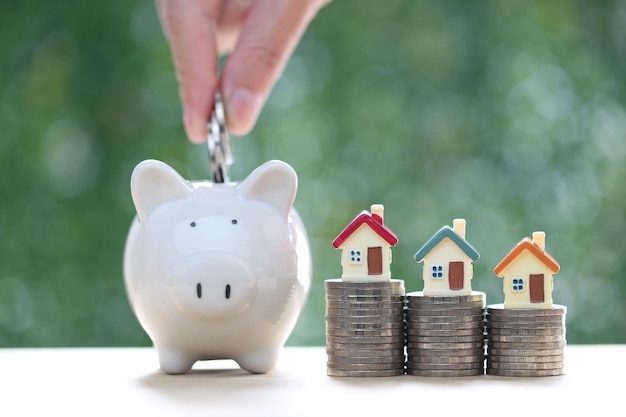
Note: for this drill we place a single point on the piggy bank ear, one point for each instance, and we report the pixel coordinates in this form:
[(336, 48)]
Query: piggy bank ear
[(153, 183), (274, 182)]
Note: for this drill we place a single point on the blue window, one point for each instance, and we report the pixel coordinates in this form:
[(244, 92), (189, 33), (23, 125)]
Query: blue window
[(355, 256), (437, 272), (518, 284)]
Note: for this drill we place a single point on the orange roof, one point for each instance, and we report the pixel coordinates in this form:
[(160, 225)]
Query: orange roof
[(527, 244)]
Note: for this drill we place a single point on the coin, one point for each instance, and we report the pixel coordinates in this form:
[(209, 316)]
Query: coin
[(363, 319), (364, 367), (529, 345), (445, 339), (474, 296), (444, 346), (524, 365), (359, 340), (445, 366), (339, 283), (398, 359), (445, 372), (421, 357), (462, 325), (361, 374), (349, 305), (526, 359), (363, 312), (525, 373), (363, 346), (444, 319), (431, 312), (527, 332), (510, 325), (506, 351), (352, 298), (381, 353), (524, 339), (349, 325), (499, 309), (365, 333)]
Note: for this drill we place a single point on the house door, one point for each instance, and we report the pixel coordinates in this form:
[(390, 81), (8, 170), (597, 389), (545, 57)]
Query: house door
[(536, 288), (375, 261), (456, 275)]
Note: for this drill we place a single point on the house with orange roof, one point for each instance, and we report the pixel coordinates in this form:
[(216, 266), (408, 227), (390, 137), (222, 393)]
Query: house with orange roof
[(447, 259), (366, 247), (527, 273)]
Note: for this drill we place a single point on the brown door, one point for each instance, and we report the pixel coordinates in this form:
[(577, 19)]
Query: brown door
[(536, 288), (375, 260), (456, 275)]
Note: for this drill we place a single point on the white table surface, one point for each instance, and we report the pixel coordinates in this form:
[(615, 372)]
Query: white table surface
[(128, 382)]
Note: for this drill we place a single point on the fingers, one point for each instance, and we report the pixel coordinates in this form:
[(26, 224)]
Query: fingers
[(191, 27), (266, 41)]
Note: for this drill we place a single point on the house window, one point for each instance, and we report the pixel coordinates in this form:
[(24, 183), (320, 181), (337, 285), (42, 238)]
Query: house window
[(355, 256), (437, 272), (518, 284)]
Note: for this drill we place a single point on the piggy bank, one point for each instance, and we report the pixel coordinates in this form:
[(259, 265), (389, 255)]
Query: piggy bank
[(216, 270)]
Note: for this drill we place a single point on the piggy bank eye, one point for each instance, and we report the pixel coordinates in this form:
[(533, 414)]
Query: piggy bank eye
[(234, 221), (192, 224)]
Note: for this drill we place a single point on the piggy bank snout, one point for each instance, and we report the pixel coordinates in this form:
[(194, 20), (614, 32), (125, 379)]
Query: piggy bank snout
[(213, 286)]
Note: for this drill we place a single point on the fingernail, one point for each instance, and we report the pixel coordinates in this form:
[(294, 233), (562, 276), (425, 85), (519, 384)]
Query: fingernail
[(195, 128), (242, 109)]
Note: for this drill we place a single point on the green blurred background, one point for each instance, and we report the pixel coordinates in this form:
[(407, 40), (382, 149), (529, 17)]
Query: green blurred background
[(511, 115)]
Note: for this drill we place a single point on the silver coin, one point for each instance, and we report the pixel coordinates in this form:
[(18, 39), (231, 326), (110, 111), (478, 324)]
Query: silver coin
[(474, 296), (445, 366), (444, 346), (506, 351), (525, 373), (525, 321), (523, 365), (365, 333), (363, 319), (469, 325), (396, 324), (443, 333), (362, 312), (364, 367), (364, 304), (364, 374), (498, 309), (509, 325), (527, 332), (330, 298), (421, 303), (397, 360), (359, 340), (339, 283), (475, 352), (443, 319), (363, 346), (472, 311), (526, 359), (445, 373), (445, 339), (524, 339), (530, 346), (446, 358), (363, 353)]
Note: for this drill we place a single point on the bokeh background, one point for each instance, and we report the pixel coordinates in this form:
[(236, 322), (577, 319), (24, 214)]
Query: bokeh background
[(511, 115)]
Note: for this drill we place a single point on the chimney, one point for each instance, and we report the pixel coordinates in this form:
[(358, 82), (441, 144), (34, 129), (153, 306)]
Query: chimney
[(377, 212), (539, 239), (458, 226)]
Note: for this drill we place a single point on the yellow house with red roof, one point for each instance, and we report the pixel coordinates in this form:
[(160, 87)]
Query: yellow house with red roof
[(366, 247), (527, 273)]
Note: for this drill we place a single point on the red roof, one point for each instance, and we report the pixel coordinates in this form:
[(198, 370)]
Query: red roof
[(373, 221), (527, 244)]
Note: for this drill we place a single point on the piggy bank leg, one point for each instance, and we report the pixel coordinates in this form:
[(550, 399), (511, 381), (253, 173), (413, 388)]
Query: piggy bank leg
[(259, 361), (174, 361)]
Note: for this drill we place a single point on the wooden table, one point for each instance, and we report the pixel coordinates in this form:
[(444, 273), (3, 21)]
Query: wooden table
[(127, 382)]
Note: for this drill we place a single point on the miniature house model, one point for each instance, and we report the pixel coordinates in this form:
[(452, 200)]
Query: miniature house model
[(366, 247), (447, 259), (527, 274)]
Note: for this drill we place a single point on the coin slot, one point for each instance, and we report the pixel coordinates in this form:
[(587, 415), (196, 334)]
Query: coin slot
[(199, 290), (227, 291)]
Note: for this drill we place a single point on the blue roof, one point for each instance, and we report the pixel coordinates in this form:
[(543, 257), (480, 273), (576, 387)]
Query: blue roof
[(444, 232)]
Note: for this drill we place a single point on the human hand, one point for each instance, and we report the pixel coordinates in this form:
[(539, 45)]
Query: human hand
[(261, 34)]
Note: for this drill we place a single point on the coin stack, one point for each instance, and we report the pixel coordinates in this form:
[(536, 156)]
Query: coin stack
[(525, 342), (445, 334), (365, 328)]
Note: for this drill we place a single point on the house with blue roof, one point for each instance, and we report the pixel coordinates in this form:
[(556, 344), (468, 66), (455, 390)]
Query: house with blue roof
[(447, 259)]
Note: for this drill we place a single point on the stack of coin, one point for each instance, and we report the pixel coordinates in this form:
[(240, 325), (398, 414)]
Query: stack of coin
[(445, 334), (525, 342), (365, 328)]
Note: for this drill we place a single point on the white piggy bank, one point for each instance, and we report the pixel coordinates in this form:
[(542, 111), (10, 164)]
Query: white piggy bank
[(216, 271)]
